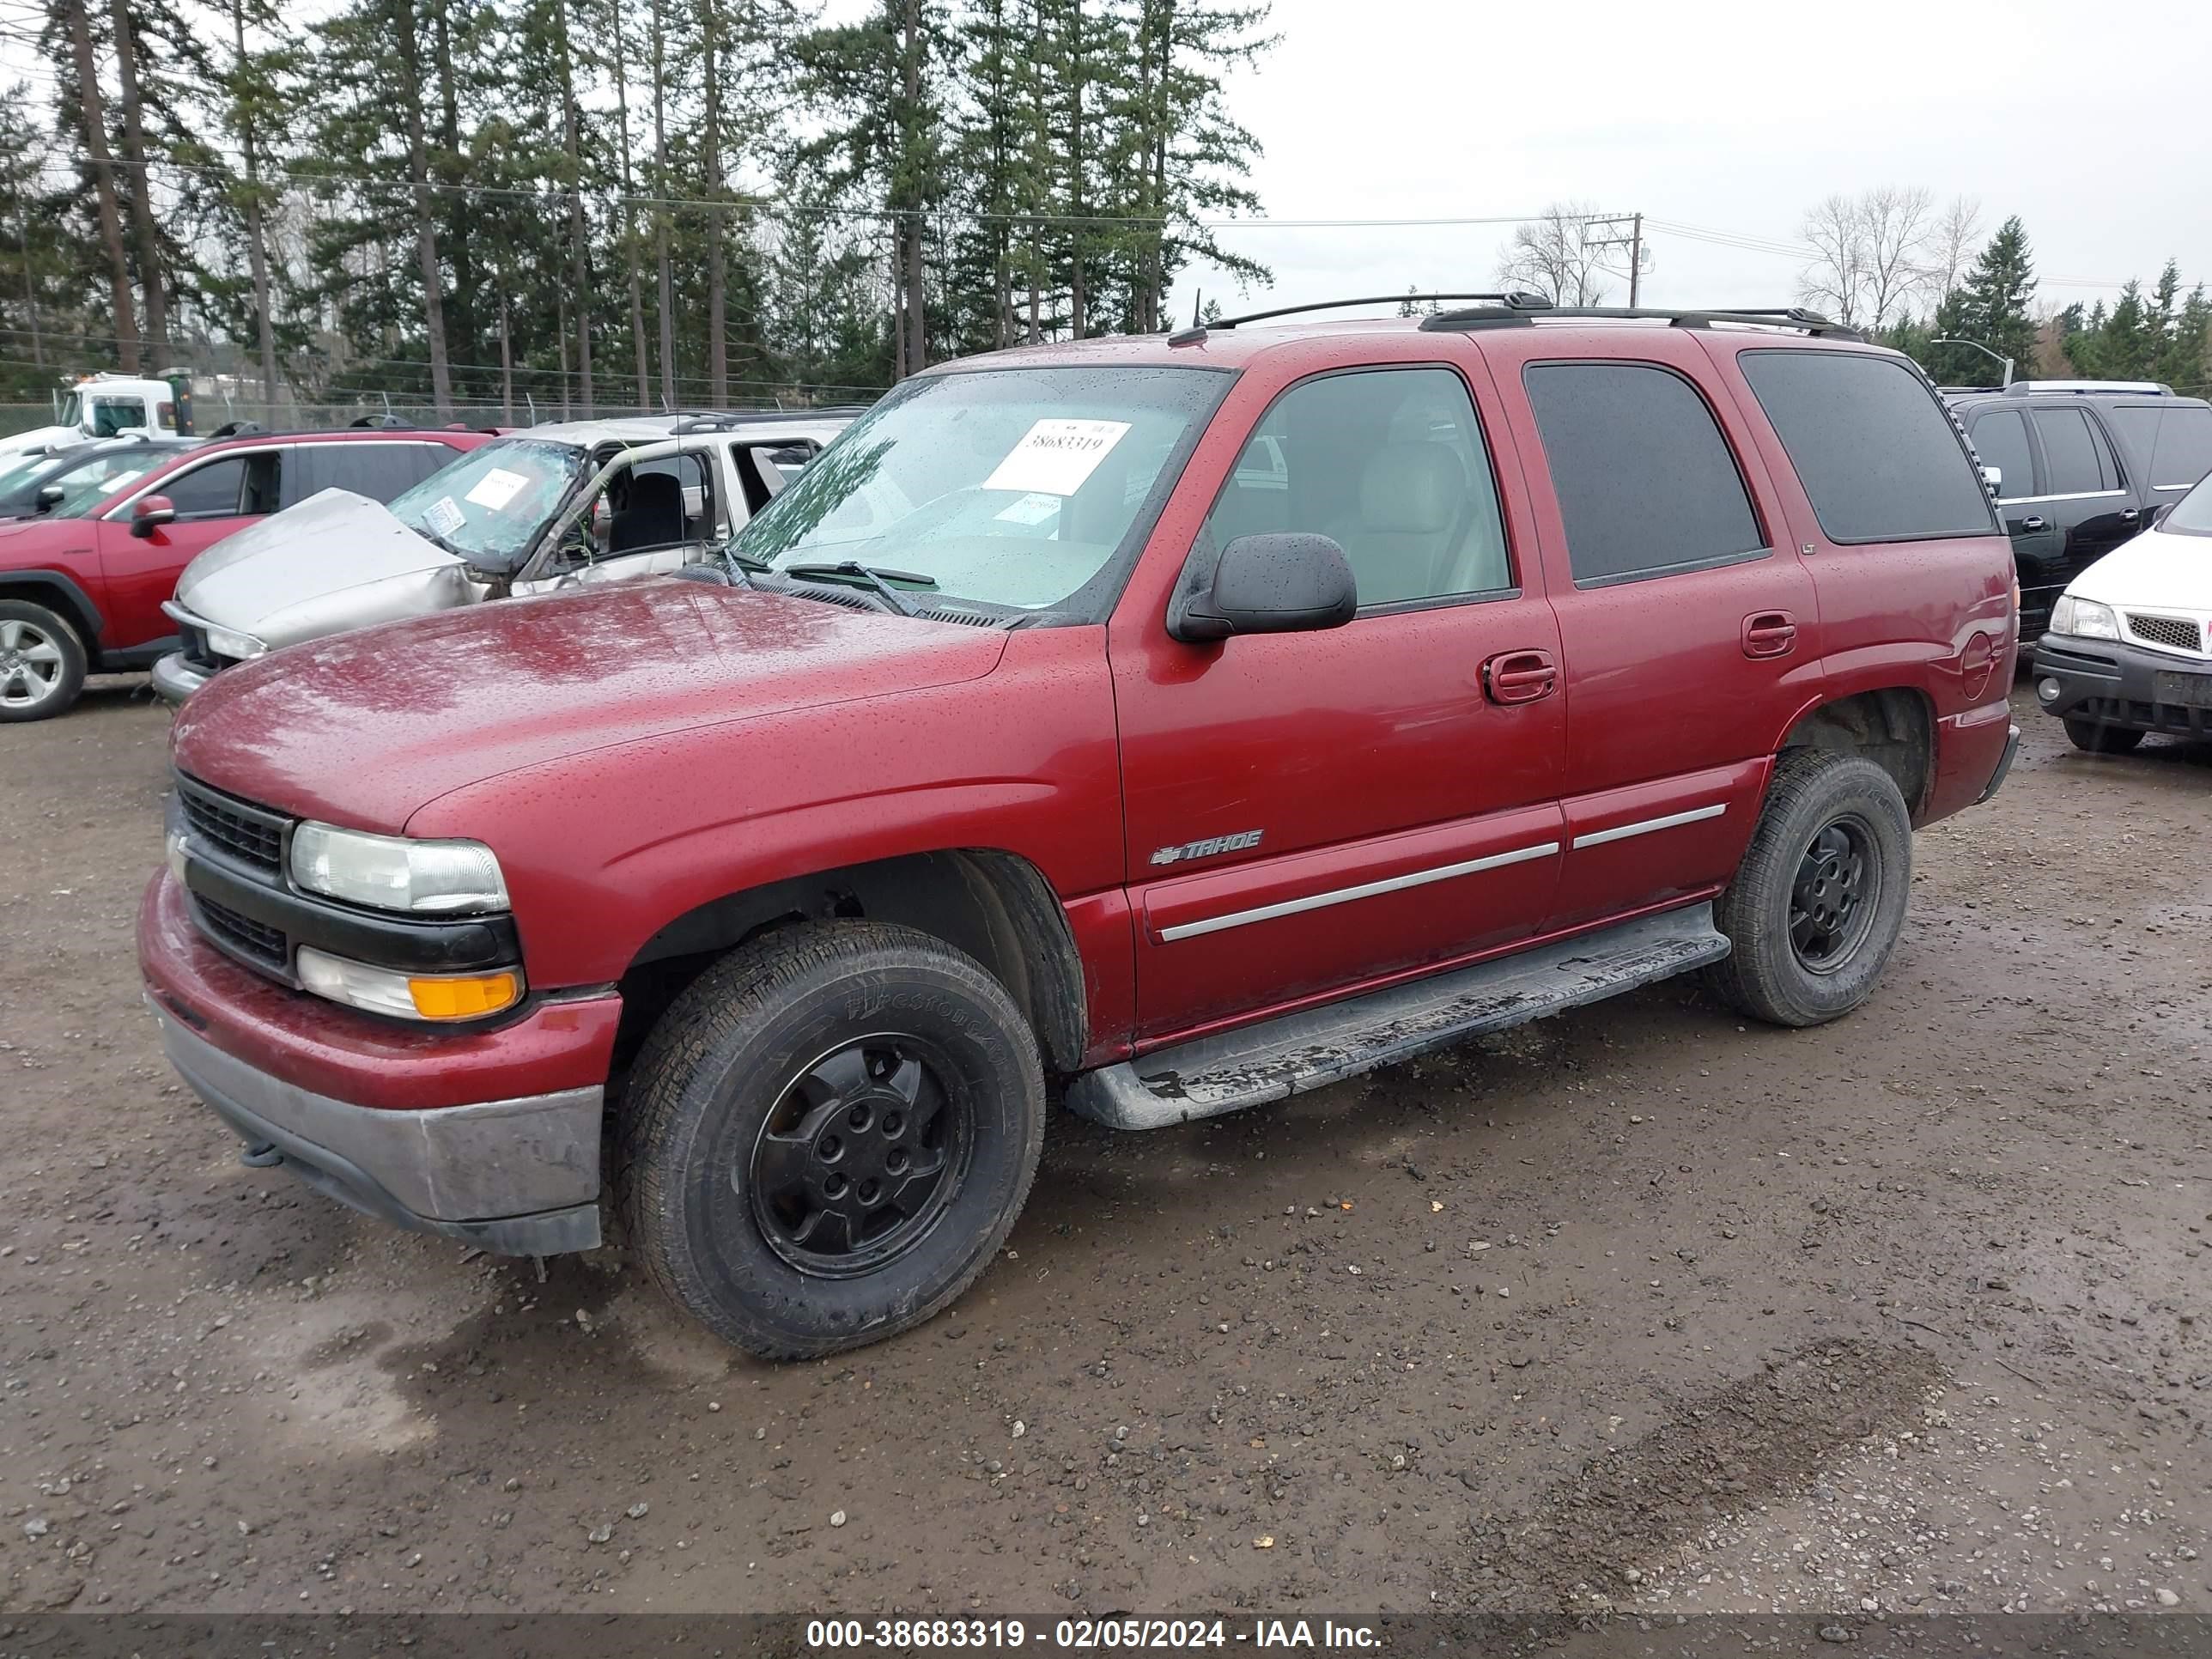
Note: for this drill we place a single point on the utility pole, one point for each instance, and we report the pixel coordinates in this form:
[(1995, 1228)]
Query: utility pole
[(1631, 239)]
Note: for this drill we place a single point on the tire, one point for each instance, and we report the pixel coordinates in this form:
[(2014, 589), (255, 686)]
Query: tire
[(744, 1165), (41, 662), (1810, 938), (2096, 738)]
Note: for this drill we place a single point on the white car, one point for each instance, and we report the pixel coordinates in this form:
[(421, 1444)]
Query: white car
[(568, 504), (2129, 648)]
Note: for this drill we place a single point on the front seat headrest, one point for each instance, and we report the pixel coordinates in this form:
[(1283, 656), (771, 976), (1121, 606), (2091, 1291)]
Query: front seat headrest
[(1415, 489)]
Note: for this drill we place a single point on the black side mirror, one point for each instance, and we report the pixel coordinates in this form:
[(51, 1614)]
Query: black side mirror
[(1285, 582), (51, 497)]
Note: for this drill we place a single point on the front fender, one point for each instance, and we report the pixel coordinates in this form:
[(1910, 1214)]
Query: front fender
[(605, 848)]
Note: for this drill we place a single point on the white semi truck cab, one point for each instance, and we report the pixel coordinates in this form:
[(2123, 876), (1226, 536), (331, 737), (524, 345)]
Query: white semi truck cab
[(109, 406)]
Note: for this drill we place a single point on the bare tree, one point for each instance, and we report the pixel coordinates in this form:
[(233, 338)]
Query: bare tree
[(1951, 245), (1835, 280), (1894, 225), (1879, 253), (1551, 256)]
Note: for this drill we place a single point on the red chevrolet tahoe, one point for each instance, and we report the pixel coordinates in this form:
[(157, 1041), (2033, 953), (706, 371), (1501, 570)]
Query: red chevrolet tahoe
[(1170, 724)]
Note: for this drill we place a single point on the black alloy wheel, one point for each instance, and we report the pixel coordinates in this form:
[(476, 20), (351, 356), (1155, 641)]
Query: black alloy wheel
[(1831, 901), (856, 1162)]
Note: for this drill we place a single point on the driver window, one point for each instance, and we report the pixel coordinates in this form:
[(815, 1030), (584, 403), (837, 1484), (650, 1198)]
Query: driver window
[(1391, 465), (112, 415), (653, 507), (212, 491)]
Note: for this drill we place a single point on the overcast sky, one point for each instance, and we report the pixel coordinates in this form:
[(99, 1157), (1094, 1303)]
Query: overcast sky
[(2093, 123)]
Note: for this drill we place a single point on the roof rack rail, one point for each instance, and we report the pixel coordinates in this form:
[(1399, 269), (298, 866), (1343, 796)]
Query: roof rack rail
[(1198, 330), (1529, 309), (2139, 388), (728, 420)]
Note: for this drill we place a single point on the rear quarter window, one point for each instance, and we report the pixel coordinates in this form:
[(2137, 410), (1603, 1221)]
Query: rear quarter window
[(378, 471), (2174, 445), (1879, 459)]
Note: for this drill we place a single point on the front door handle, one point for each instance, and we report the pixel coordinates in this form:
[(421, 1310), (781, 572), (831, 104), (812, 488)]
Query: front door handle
[(2032, 522), (2129, 514), (1513, 676), (1770, 634)]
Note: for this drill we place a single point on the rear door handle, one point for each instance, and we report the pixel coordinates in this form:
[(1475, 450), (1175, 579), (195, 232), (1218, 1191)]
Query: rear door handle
[(2129, 514), (2032, 522), (1513, 676), (1770, 634)]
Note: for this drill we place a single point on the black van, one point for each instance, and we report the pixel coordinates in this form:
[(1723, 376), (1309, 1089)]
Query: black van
[(2083, 465)]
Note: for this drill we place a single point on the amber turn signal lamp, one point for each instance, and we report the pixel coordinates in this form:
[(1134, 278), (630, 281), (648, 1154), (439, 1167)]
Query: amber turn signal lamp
[(465, 996)]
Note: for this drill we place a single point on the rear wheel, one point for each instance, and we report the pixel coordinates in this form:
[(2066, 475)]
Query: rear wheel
[(830, 1133), (1818, 901), (2099, 738), (41, 662)]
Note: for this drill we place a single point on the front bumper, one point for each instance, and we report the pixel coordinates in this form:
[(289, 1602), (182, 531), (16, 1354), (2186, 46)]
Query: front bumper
[(2110, 683), (176, 676), (488, 1134), (520, 1177)]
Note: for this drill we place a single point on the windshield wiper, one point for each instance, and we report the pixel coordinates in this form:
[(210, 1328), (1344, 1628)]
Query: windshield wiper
[(869, 575), (742, 565)]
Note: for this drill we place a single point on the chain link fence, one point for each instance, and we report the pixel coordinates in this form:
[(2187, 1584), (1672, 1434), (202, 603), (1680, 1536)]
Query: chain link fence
[(211, 413)]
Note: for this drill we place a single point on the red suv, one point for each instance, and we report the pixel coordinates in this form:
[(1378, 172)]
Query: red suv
[(82, 593), (1173, 724)]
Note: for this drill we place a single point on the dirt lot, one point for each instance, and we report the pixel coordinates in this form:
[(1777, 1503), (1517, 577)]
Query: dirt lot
[(1639, 1304)]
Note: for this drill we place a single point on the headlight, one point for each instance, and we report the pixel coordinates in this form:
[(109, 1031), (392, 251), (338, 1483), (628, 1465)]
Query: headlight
[(229, 642), (410, 996), (389, 872), (2084, 618)]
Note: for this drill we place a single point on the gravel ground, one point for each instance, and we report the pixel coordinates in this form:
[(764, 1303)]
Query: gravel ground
[(1638, 1306)]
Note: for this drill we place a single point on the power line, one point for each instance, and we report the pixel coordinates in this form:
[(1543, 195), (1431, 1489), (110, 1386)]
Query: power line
[(1804, 252)]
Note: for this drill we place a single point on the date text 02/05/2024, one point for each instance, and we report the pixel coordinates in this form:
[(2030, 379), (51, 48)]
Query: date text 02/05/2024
[(831, 1635)]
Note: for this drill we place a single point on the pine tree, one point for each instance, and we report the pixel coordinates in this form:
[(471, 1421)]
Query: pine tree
[(1989, 307)]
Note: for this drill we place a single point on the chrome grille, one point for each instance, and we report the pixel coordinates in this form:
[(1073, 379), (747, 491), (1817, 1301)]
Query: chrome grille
[(2174, 633), (243, 831)]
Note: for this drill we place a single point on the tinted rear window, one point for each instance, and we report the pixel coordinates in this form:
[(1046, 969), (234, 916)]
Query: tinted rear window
[(2080, 462), (1646, 483), (1877, 455), (378, 471), (2174, 444), (2001, 440)]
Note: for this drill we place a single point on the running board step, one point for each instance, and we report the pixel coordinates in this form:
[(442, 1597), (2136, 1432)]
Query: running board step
[(1298, 1052)]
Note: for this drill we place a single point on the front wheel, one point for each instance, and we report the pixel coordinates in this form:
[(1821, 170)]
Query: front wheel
[(829, 1136), (42, 662), (1818, 901)]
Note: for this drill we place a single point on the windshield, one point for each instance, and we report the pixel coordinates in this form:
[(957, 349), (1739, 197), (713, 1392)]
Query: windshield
[(73, 410), (1012, 487), (489, 506), (84, 484), (2192, 514)]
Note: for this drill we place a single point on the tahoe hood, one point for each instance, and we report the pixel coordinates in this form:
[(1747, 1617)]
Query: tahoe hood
[(365, 728)]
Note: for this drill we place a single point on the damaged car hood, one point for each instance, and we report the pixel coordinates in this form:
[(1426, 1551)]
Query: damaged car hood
[(335, 561)]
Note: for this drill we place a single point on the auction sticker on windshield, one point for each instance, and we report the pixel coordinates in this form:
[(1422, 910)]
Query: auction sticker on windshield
[(444, 516), (1054, 457), (496, 489), (1031, 509)]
